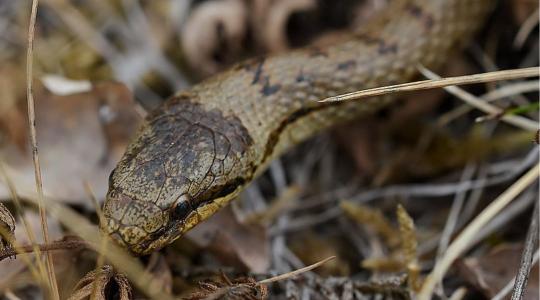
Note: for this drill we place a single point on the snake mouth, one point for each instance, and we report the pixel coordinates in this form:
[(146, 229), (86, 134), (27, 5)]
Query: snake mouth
[(147, 244)]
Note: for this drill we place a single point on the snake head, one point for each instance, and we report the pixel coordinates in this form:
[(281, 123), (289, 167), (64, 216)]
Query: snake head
[(185, 163)]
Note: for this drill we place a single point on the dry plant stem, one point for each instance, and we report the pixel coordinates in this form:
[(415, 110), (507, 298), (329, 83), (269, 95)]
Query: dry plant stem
[(27, 227), (463, 241), (507, 90), (526, 29), (526, 257), (508, 288), (458, 294), (438, 83), (103, 245), (455, 212), (53, 285), (296, 272), (518, 121), (15, 250), (10, 296), (118, 257), (56, 245), (121, 259)]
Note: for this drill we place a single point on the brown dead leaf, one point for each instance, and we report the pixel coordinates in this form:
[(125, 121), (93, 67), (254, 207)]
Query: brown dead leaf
[(233, 242), (237, 289), (491, 272), (80, 138), (7, 227), (94, 285)]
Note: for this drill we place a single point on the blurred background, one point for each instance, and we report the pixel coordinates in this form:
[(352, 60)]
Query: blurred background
[(100, 66)]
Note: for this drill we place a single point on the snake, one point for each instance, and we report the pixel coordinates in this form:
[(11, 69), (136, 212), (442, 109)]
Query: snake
[(196, 152)]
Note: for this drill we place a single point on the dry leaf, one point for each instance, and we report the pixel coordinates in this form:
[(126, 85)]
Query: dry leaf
[(94, 285), (235, 243), (491, 272), (7, 227), (80, 138)]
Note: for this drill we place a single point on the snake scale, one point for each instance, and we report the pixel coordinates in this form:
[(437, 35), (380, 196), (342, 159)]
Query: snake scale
[(196, 152)]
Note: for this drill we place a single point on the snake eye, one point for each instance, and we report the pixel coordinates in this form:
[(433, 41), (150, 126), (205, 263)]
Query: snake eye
[(181, 208)]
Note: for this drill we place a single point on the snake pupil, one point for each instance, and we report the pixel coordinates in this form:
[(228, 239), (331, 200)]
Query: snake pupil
[(181, 209)]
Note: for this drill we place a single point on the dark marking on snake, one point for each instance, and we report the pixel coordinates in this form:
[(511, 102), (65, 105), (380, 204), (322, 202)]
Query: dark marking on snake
[(346, 65), (269, 89), (316, 51), (258, 72), (301, 77), (417, 12), (219, 191), (387, 48), (384, 47), (273, 137)]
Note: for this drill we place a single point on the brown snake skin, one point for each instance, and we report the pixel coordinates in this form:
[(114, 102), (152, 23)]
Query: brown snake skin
[(196, 152)]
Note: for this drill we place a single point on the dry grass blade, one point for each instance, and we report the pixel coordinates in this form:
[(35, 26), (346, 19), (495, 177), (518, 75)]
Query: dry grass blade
[(14, 250), (27, 227), (502, 294), (506, 90), (295, 272), (438, 83), (474, 101), (103, 245), (463, 241), (458, 294), (122, 260), (526, 29), (53, 285), (531, 242)]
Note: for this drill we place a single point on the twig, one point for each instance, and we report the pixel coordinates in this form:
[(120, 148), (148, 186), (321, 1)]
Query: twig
[(508, 287), (462, 242), (455, 211), (64, 244), (53, 285), (295, 272), (437, 83), (526, 29), (526, 257)]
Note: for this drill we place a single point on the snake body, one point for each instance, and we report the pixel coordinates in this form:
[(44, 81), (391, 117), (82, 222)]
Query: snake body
[(195, 153)]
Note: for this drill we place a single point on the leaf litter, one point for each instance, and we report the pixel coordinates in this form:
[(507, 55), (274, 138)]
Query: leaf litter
[(404, 160)]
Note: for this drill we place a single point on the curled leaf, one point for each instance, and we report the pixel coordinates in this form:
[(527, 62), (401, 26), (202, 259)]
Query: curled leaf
[(7, 227)]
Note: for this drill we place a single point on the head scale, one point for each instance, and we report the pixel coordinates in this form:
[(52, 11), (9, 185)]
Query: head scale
[(186, 162)]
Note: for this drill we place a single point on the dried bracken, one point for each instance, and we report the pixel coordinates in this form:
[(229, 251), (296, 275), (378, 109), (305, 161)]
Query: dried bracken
[(238, 289), (102, 284), (7, 228)]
